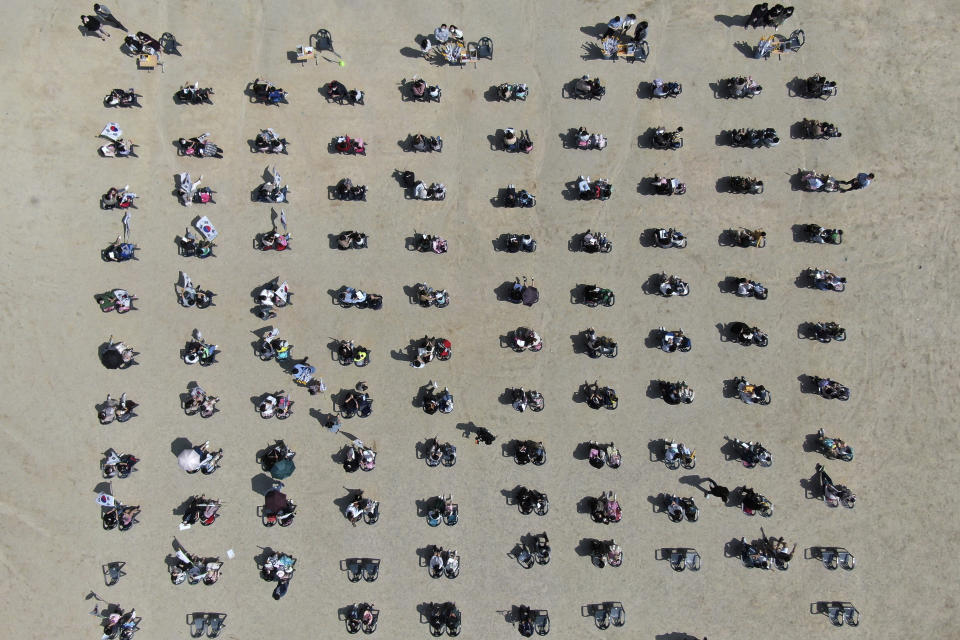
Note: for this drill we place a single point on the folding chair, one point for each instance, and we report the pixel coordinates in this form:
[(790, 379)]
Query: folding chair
[(353, 568), (485, 48), (324, 41), (371, 569), (600, 615), (618, 615), (473, 53), (112, 572), (215, 624), (541, 622), (197, 623)]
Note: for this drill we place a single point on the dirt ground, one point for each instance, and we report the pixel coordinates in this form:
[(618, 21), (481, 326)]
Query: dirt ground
[(897, 109)]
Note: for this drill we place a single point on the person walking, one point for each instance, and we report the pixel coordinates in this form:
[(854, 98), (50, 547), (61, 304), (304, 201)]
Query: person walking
[(717, 490), (93, 25), (862, 181), (484, 435), (758, 16), (106, 16)]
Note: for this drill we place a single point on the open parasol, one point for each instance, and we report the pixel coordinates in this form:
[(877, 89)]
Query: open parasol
[(530, 295), (111, 359), (282, 469), (189, 460), (275, 501)]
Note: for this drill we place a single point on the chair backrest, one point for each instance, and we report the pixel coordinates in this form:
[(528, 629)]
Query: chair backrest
[(485, 47), (324, 40)]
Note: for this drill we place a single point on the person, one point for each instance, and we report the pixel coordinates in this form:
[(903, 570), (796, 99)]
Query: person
[(92, 25), (441, 33), (110, 199), (520, 404), (813, 181), (436, 561), (775, 15), (583, 185), (425, 47), (717, 490), (594, 398), (757, 16), (862, 181), (751, 499), (437, 191), (526, 144), (333, 424), (108, 413), (525, 621), (446, 401), (509, 139), (127, 516), (107, 16), (455, 33), (674, 509), (188, 292), (583, 137), (484, 435), (354, 512), (640, 34)]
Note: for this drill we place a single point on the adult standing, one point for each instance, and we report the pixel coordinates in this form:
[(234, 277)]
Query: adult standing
[(106, 16)]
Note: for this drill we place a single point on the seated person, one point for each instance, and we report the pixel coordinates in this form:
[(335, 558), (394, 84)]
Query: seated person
[(675, 510), (446, 401), (437, 191), (583, 185), (640, 34), (353, 296), (583, 85), (591, 244), (110, 199), (344, 241), (354, 512), (595, 399), (516, 292), (436, 561), (509, 139), (510, 196), (420, 191), (336, 90)]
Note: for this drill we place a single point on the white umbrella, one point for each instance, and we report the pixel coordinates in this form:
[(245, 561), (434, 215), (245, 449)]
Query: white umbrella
[(189, 460)]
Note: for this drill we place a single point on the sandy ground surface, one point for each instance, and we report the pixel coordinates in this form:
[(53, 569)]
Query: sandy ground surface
[(899, 310)]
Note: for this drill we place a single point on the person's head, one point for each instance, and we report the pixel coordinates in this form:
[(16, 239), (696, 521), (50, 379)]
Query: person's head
[(870, 176), (443, 26)]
